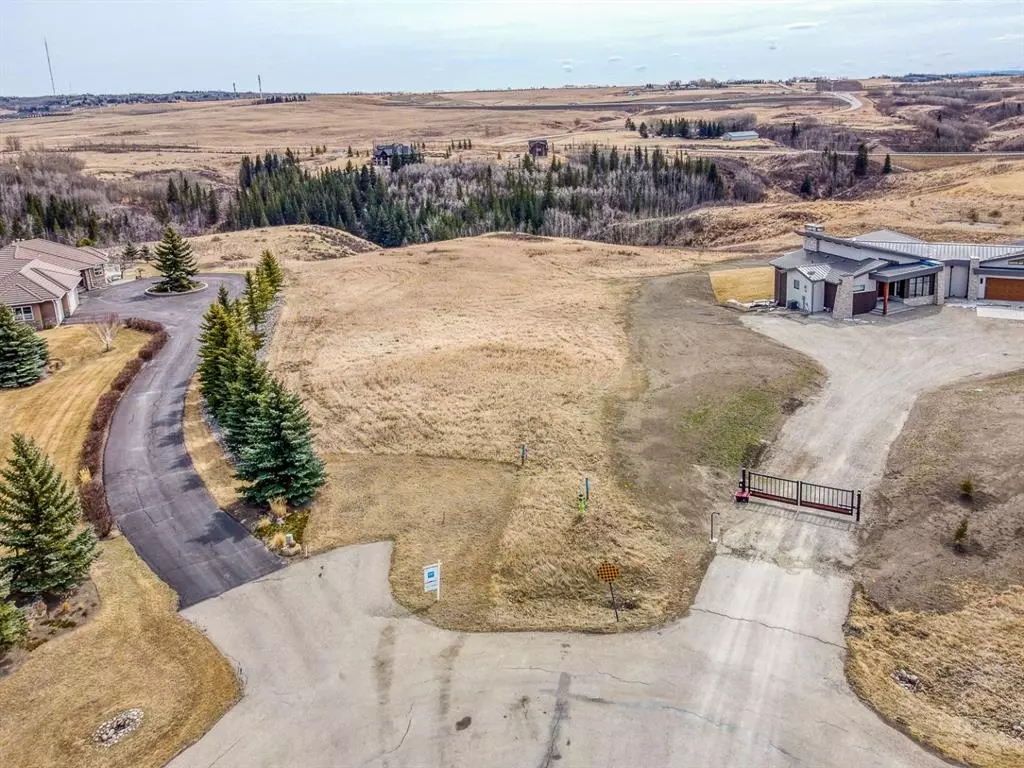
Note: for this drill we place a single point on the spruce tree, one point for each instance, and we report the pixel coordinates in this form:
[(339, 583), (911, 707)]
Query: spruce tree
[(860, 165), (242, 399), (256, 299), (13, 625), (887, 166), (175, 261), (806, 189), (223, 297), (130, 253), (214, 341), (278, 459), (23, 352), (271, 270), (43, 552)]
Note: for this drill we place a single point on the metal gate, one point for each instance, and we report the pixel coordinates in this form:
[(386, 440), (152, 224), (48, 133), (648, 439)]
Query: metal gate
[(825, 497)]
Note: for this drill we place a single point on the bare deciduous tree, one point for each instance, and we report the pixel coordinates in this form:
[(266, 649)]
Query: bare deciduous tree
[(105, 329)]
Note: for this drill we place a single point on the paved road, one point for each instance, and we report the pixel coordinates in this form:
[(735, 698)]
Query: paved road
[(753, 676), (159, 501)]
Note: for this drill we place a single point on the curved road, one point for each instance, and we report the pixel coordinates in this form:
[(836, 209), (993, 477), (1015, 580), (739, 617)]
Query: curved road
[(159, 501)]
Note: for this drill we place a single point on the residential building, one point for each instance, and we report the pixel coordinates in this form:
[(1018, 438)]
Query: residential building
[(538, 147), (382, 153), (740, 136), (886, 271), (40, 280)]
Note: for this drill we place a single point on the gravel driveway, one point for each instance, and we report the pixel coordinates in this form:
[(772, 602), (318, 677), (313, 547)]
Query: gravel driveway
[(159, 501), (753, 676)]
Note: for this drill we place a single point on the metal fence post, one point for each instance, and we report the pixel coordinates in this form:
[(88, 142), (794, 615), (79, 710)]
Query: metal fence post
[(858, 506), (799, 493), (743, 479)]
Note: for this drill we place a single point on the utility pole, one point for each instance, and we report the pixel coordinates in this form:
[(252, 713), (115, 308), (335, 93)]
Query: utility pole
[(259, 80), (49, 66), (235, 89)]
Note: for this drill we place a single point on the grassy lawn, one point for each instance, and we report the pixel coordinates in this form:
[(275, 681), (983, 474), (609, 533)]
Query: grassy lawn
[(135, 651), (56, 411), (747, 284), (207, 457)]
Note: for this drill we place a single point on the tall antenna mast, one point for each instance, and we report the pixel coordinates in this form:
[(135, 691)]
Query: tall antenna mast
[(49, 66), (260, 81)]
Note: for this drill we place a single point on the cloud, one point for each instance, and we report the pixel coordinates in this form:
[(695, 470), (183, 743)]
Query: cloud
[(772, 47), (640, 67), (944, 54), (676, 55), (802, 25), (613, 59), (567, 67), (565, 62), (1008, 38)]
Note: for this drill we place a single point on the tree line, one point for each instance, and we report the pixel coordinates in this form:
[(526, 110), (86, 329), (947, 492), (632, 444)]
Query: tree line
[(265, 427), (582, 196)]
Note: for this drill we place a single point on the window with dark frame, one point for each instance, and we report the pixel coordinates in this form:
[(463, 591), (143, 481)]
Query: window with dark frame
[(921, 286), (796, 283), (24, 314)]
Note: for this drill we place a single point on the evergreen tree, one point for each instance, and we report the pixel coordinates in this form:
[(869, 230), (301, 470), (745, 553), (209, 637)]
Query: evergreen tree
[(270, 268), (248, 384), (643, 130), (175, 261), (13, 625), (43, 554), (130, 254), (23, 352), (212, 208), (860, 165), (887, 166), (214, 341), (256, 300), (223, 297), (278, 459), (806, 189)]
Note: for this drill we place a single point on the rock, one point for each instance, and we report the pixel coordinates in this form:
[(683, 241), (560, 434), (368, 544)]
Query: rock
[(116, 728), (906, 679)]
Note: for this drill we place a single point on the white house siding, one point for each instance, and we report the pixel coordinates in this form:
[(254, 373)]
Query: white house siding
[(809, 296)]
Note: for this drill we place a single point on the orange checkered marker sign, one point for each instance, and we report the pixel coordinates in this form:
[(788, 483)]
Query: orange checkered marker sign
[(607, 572)]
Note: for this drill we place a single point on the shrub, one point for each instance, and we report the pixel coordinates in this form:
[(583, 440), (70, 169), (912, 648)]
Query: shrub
[(95, 508), (104, 410), (141, 324), (967, 488), (962, 535), (92, 451), (153, 346)]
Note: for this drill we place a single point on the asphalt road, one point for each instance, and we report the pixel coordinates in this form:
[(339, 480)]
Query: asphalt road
[(159, 501), (753, 676)]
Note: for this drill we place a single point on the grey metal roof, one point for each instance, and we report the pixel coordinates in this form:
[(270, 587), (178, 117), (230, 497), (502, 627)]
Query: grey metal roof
[(837, 264), (886, 236), (740, 135), (948, 251), (814, 272), (904, 272)]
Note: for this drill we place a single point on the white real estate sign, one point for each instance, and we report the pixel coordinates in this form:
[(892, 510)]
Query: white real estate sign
[(432, 579)]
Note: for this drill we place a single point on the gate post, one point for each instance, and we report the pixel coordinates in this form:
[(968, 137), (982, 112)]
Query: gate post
[(799, 493), (858, 507), (743, 479)]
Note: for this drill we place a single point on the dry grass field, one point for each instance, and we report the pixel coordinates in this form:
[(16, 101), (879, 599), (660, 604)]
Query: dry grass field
[(953, 618), (746, 284), (135, 651), (426, 368)]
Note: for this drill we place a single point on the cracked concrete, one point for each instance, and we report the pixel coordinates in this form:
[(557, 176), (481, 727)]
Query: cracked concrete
[(753, 676)]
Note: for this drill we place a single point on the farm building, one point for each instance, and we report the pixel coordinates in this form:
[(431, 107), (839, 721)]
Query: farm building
[(740, 136), (886, 271), (382, 153), (539, 147), (40, 280)]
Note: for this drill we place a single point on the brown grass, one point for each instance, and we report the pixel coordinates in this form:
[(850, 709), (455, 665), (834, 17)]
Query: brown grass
[(56, 411), (426, 368), (955, 619), (969, 663), (207, 457), (135, 651), (747, 284)]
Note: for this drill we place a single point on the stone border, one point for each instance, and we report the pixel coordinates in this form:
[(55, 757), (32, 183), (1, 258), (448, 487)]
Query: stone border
[(202, 287)]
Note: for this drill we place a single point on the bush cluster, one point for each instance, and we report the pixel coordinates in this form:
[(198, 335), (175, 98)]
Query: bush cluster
[(92, 494)]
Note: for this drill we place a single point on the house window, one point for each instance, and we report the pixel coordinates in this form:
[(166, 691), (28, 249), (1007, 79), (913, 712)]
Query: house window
[(796, 283), (24, 314), (860, 287), (921, 286), (98, 271)]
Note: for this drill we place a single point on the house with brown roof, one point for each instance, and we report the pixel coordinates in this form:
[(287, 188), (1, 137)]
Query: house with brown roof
[(40, 280)]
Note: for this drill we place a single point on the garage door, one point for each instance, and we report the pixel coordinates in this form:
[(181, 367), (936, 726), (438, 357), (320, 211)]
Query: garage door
[(1004, 288)]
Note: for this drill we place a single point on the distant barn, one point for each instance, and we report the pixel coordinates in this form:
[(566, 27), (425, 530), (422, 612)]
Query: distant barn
[(382, 153), (539, 147), (740, 136)]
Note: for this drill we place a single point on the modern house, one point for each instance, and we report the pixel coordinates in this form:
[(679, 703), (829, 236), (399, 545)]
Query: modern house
[(40, 280), (886, 271), (382, 153), (538, 147), (740, 136)]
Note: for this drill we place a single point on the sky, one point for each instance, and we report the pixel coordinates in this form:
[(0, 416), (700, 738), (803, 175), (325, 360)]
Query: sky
[(386, 45)]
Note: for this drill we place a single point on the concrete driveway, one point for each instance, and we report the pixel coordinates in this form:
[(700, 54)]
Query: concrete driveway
[(159, 501), (337, 674)]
